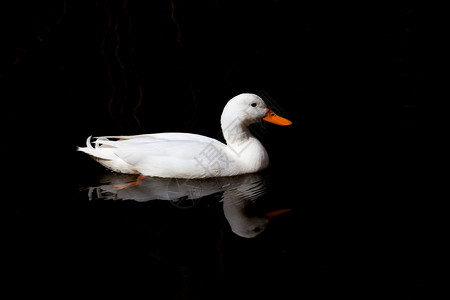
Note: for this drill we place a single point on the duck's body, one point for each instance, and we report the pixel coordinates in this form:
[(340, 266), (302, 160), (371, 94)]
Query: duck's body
[(175, 155), (186, 155)]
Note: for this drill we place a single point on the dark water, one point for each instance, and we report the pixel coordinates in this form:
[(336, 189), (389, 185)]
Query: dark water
[(307, 232), (351, 175)]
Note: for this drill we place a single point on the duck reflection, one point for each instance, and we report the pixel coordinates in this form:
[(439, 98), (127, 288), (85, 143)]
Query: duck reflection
[(239, 195)]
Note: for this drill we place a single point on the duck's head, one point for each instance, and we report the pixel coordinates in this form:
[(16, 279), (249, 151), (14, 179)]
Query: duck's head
[(247, 109)]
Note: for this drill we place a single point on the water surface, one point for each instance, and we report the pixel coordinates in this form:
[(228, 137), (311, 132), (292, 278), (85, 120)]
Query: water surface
[(257, 235)]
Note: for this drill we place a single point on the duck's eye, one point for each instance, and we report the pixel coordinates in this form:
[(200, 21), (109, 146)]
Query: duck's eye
[(253, 104)]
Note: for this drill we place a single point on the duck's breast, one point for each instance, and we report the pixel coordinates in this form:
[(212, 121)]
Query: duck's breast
[(249, 157)]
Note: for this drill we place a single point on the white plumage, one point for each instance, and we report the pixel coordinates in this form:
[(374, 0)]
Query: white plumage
[(186, 155)]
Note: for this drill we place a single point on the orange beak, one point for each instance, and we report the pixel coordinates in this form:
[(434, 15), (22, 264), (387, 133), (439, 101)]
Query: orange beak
[(275, 119), (273, 214)]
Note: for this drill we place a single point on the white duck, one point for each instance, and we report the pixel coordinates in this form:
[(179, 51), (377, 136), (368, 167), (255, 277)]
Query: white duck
[(186, 155)]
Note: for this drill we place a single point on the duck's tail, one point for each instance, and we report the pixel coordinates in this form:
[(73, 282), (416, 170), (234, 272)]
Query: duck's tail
[(99, 151), (103, 153)]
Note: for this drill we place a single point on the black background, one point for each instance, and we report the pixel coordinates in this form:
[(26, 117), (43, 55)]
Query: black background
[(360, 82), (121, 66)]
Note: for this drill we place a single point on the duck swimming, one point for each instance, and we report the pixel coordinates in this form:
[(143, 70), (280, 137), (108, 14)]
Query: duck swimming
[(187, 155)]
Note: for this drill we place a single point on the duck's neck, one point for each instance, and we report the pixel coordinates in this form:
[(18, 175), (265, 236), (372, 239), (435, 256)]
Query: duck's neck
[(249, 151), (235, 132)]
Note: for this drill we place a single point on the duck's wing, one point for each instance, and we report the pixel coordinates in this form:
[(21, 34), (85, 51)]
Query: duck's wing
[(179, 155), (167, 136)]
